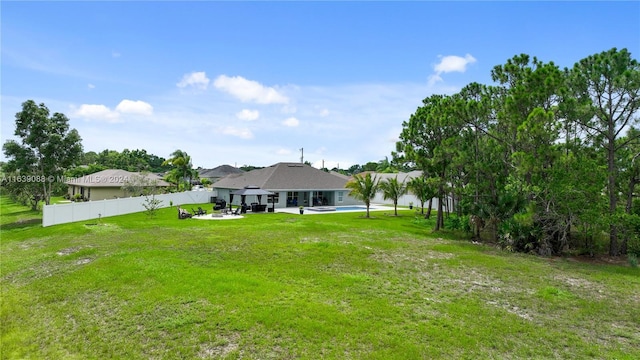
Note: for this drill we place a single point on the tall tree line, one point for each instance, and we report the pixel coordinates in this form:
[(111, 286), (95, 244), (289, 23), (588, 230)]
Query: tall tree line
[(542, 157)]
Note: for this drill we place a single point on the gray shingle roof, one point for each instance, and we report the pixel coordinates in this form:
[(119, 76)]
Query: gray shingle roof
[(219, 172), (284, 176), (112, 178)]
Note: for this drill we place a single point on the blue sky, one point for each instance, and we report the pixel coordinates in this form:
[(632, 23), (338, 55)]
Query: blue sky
[(250, 83)]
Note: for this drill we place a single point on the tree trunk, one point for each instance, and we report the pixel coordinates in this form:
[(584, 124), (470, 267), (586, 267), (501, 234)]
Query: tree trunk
[(613, 198), (440, 215)]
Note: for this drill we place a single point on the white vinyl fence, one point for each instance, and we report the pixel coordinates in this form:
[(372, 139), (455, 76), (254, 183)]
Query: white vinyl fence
[(79, 211)]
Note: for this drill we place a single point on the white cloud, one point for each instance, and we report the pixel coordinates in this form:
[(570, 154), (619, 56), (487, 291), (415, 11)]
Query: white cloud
[(450, 63), (104, 113), (97, 112), (242, 133), (134, 107), (198, 80), (291, 122), (249, 90), (454, 63), (324, 112), (115, 54), (248, 115), (364, 117), (91, 86)]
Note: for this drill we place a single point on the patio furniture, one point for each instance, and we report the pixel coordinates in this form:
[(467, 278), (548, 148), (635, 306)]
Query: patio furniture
[(252, 191), (183, 214), (220, 204), (255, 207), (201, 211)]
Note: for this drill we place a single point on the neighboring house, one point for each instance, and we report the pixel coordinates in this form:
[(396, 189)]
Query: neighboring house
[(107, 184), (404, 200), (294, 184), (218, 173)]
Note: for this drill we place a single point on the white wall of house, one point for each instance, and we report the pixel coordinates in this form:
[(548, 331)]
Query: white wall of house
[(405, 200), (335, 198)]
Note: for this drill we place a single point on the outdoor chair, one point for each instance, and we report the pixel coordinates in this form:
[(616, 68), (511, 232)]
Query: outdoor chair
[(183, 214), (201, 211), (198, 212), (237, 212), (220, 204)]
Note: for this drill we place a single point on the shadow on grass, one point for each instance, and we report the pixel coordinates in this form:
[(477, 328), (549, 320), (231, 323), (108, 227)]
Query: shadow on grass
[(20, 224), (22, 212)]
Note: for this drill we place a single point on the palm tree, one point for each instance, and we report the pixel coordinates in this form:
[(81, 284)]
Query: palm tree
[(422, 189), (393, 189), (363, 188), (173, 177), (181, 162)]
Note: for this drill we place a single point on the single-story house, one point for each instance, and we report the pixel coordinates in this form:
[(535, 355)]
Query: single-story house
[(218, 173), (108, 184), (293, 185), (404, 200)]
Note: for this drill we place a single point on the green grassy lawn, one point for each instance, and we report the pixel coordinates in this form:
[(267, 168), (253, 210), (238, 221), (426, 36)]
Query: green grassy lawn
[(282, 286)]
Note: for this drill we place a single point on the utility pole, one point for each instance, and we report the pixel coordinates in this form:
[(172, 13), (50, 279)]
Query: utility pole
[(302, 155)]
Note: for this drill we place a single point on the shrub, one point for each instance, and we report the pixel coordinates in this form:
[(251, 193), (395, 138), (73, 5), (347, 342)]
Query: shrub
[(458, 223), (514, 235), (633, 260), (152, 205)]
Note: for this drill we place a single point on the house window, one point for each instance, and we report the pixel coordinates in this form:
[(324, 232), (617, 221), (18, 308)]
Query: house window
[(340, 196), (292, 198), (274, 198)]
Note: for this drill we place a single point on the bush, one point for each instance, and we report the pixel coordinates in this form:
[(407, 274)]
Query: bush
[(633, 260), (514, 235), (152, 205), (458, 223), (633, 245), (630, 230)]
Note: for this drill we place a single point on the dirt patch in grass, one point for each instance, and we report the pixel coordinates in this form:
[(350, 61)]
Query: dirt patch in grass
[(69, 251), (512, 309), (83, 261), (396, 257), (223, 346), (588, 288)]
